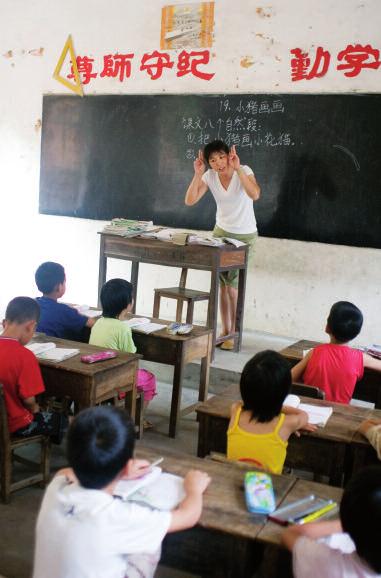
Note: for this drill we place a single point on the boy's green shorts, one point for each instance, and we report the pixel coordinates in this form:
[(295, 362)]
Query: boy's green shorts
[(230, 278)]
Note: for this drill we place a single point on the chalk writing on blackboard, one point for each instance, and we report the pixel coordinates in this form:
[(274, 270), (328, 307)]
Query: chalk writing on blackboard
[(242, 125)]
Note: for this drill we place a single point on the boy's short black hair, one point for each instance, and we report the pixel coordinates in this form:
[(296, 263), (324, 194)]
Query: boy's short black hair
[(360, 514), (215, 146), (344, 321), (265, 382), (22, 309), (100, 442), (116, 295), (48, 276)]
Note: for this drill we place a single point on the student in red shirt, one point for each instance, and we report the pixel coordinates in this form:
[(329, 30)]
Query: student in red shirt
[(21, 377), (335, 367)]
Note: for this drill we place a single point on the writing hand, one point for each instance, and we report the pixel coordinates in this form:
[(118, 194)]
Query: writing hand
[(234, 161), (199, 164), (137, 469)]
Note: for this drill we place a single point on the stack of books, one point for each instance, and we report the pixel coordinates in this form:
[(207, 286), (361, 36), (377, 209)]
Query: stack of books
[(128, 227)]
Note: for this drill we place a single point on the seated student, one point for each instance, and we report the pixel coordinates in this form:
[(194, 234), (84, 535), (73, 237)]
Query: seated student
[(371, 429), (335, 367), (260, 426), (360, 515), (21, 377), (110, 330), (83, 531), (58, 319)]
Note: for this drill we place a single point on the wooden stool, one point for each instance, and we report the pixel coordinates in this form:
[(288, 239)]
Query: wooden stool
[(8, 445), (181, 294)]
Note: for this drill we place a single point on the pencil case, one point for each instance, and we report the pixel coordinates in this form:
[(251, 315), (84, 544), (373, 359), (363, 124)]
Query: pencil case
[(101, 356), (259, 493)]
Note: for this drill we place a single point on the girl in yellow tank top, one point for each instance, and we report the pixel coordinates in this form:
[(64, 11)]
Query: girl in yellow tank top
[(260, 426)]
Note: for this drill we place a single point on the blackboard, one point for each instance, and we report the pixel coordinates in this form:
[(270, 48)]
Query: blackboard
[(316, 157)]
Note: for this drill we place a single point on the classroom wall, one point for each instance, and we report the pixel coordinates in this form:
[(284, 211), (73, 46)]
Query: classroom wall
[(291, 284)]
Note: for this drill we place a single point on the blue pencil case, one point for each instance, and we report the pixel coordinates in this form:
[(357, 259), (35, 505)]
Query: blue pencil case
[(259, 493)]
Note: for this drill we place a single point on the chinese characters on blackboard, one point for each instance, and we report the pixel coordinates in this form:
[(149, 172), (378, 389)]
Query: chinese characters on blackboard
[(243, 125)]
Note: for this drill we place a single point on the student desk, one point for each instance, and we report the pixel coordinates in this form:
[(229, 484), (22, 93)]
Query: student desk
[(368, 388), (228, 540), (222, 544), (327, 451), (89, 384), (213, 259), (177, 350)]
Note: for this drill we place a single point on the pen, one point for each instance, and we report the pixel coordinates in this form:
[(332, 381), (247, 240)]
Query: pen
[(156, 462), (318, 513)]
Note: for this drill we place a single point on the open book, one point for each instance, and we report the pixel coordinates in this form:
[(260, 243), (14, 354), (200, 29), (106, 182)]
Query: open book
[(317, 414), (156, 489), (50, 352), (144, 325)]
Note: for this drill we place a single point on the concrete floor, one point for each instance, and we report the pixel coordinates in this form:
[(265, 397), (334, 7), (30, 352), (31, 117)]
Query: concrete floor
[(17, 519)]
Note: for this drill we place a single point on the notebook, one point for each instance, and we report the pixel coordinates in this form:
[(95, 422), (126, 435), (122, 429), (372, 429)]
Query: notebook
[(137, 321), (58, 354), (38, 348), (50, 352), (157, 490), (148, 327), (317, 414)]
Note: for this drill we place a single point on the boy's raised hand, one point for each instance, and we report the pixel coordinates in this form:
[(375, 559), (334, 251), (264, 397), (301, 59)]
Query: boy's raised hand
[(196, 482), (234, 161), (199, 164)]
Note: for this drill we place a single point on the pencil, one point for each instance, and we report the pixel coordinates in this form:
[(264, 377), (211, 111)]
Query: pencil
[(318, 513)]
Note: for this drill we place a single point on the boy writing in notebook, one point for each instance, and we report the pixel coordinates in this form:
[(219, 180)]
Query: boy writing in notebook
[(360, 517), (83, 530), (335, 367), (58, 319), (21, 377)]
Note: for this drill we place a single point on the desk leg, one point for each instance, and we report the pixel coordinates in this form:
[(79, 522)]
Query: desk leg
[(176, 395), (134, 281), (204, 374), (102, 269), (213, 307), (130, 401), (240, 307)]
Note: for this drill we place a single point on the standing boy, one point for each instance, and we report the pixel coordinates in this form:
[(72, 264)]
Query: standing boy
[(83, 530)]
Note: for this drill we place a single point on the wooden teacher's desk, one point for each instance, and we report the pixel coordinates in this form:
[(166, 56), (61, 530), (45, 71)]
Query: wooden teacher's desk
[(368, 388), (228, 541), (213, 259), (177, 350), (327, 451), (89, 384)]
